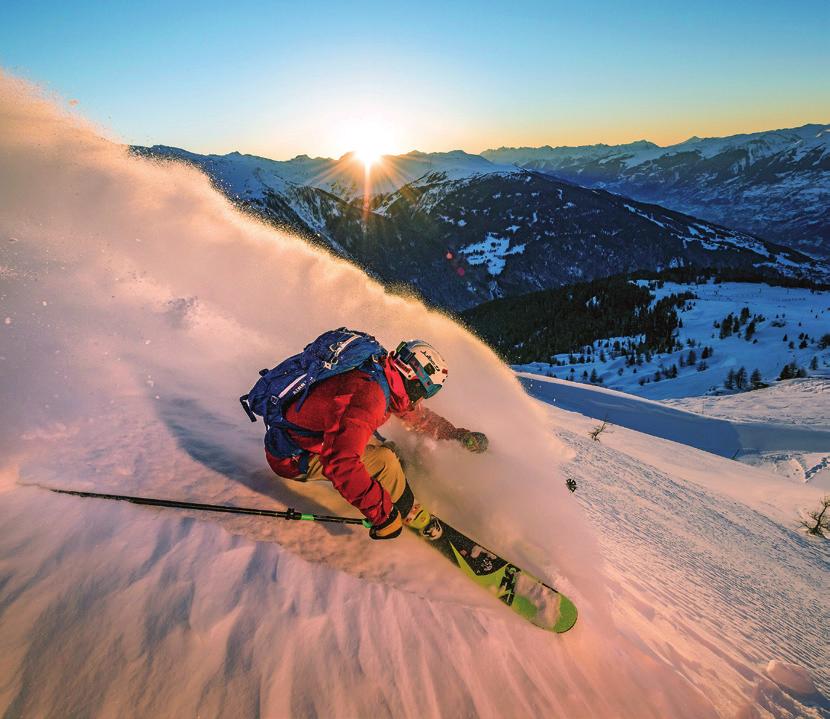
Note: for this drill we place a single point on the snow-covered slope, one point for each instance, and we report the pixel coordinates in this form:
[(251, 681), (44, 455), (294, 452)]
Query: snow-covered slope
[(784, 428), (774, 183), (137, 305), (802, 404), (789, 314)]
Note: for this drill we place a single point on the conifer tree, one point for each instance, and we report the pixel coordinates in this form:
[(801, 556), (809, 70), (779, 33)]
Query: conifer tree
[(789, 371), (741, 378)]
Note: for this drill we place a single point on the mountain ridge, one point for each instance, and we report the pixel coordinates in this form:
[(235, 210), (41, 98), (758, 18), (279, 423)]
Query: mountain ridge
[(462, 238), (775, 183)]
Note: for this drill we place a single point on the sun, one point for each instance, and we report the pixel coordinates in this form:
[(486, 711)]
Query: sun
[(368, 156), (369, 138)]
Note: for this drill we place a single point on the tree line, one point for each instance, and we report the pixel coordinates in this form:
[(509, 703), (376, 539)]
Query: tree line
[(538, 325)]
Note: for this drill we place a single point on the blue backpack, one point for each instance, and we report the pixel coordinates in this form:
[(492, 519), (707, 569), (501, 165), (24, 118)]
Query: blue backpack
[(332, 353)]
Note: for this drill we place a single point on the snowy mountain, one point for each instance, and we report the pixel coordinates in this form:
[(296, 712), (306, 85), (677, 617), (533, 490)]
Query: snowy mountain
[(504, 234), (460, 241), (248, 177), (137, 304), (775, 184)]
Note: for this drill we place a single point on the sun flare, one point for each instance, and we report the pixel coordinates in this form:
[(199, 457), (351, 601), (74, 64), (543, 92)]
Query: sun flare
[(369, 139), (368, 156)]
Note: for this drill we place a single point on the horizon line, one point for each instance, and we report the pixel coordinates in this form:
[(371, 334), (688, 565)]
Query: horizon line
[(502, 147)]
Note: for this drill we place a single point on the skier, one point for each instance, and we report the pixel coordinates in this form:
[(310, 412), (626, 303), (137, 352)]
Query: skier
[(336, 422)]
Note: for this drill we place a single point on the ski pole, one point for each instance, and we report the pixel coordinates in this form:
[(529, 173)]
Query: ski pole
[(286, 514)]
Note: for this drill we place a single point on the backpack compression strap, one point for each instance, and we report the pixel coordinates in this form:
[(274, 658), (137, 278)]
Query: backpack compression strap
[(243, 400)]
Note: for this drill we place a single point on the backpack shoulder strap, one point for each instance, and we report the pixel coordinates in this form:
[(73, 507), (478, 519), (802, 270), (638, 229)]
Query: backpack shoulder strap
[(375, 371)]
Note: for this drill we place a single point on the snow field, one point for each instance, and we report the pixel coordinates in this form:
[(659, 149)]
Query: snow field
[(706, 565)]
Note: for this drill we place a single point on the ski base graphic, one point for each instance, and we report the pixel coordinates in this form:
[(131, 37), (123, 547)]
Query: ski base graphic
[(523, 593)]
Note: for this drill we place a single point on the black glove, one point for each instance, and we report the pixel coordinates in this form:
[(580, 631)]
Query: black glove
[(389, 529), (473, 441)]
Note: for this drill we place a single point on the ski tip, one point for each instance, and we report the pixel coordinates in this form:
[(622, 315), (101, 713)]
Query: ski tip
[(567, 615)]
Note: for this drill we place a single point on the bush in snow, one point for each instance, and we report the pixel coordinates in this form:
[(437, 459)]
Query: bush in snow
[(599, 429), (818, 522), (824, 342)]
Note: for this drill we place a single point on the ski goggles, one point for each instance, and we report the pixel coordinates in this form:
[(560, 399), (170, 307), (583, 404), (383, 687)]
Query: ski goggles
[(410, 367)]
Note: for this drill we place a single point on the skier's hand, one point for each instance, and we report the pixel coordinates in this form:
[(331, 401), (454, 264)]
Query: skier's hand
[(389, 529), (474, 441)]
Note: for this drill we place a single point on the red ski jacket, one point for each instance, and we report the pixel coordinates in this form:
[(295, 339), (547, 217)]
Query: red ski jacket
[(347, 409)]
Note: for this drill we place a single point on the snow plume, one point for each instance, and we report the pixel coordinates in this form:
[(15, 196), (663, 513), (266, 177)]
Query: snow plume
[(135, 280), (136, 306)]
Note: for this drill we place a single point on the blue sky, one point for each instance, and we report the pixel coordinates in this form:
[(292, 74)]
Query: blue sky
[(279, 79)]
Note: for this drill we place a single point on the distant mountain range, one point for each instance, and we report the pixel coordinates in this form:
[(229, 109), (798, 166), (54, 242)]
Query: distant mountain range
[(249, 176), (775, 184), (465, 233)]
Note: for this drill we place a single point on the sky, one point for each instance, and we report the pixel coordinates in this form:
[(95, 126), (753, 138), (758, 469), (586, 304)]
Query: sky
[(323, 78)]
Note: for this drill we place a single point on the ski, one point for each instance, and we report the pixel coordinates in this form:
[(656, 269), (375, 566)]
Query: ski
[(529, 597)]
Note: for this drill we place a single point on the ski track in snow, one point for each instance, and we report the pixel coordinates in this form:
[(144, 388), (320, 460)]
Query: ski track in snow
[(688, 558)]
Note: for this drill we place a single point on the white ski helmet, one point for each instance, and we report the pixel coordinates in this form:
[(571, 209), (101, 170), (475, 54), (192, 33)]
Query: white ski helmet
[(421, 365)]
